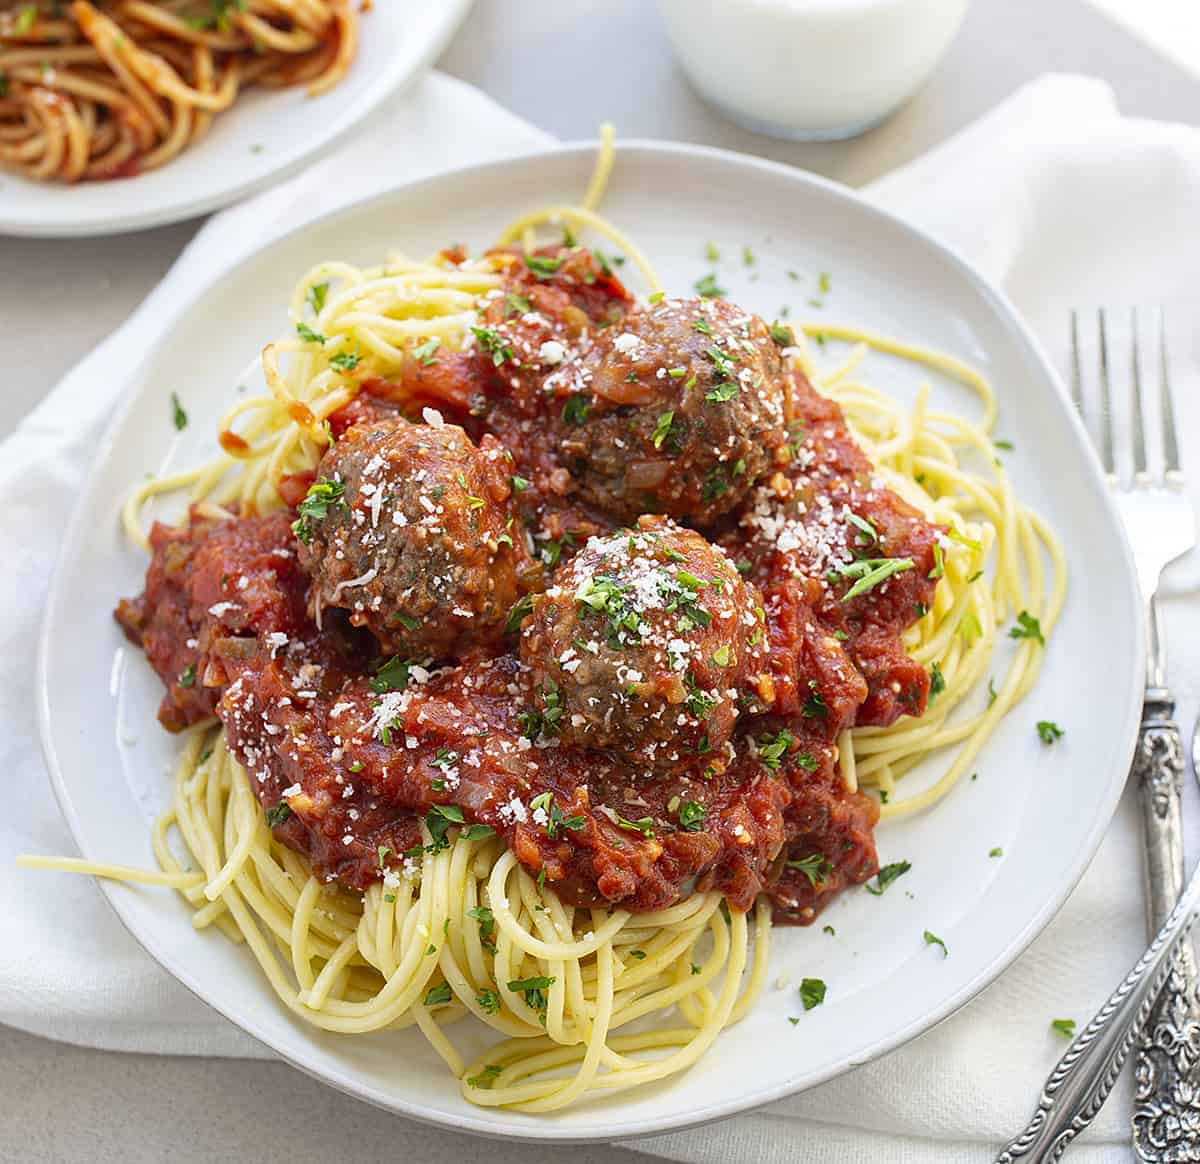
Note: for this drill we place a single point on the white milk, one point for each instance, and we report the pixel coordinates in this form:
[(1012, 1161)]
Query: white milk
[(809, 69)]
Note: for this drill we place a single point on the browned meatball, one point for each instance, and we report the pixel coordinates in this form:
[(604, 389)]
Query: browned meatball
[(677, 410), (408, 527), (646, 643)]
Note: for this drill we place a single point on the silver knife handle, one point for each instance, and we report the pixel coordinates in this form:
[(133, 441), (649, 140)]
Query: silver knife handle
[(1080, 1083), (1166, 1108)]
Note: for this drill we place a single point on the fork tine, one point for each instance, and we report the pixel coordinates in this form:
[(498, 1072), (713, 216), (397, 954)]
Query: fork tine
[(1170, 447), (1076, 369), (1139, 420), (1106, 442)]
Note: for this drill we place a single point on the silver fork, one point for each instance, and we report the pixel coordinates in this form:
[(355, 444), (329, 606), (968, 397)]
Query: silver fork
[(1148, 489)]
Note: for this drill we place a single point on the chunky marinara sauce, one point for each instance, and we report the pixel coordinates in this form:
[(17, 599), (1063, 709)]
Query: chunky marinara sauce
[(609, 582)]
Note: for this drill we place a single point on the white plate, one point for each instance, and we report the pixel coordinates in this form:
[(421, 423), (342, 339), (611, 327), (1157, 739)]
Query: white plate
[(266, 135), (1046, 807)]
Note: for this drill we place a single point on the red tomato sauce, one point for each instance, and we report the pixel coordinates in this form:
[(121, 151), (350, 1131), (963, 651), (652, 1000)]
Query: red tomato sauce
[(350, 750)]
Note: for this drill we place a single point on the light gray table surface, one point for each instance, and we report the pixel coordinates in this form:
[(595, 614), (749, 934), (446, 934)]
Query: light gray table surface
[(59, 298)]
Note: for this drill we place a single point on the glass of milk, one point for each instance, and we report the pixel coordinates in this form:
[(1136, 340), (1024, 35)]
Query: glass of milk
[(809, 70)]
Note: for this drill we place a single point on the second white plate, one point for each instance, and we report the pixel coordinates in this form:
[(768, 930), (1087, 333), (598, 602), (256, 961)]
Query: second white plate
[(265, 136)]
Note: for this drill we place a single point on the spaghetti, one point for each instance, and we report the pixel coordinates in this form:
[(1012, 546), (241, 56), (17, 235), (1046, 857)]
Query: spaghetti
[(463, 929), (114, 89)]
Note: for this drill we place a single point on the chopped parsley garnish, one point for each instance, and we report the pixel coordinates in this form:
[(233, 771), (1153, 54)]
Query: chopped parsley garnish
[(812, 992), (703, 326), (551, 551), (315, 296), (691, 815), (699, 702), (477, 832), (816, 868), (725, 390), (887, 875), (515, 304), (939, 561), (345, 361), (307, 334), (937, 682), (533, 989), (996, 852), (867, 534), (439, 819), (1027, 627), (829, 930), (1048, 732), (187, 677), (425, 352), (815, 706), (772, 749), (405, 620), (638, 954), (390, 675), (26, 19), (823, 282), (782, 334), (489, 1001), (178, 417), (643, 825), (277, 814), (870, 572), (992, 692), (709, 288), (747, 257), (576, 409), (711, 253), (554, 817), (1006, 445), (1065, 1027), (715, 484), (522, 607), (662, 427), (932, 939), (519, 484), (492, 342), (438, 995), (323, 496), (487, 924), (542, 266), (721, 656), (486, 1077)]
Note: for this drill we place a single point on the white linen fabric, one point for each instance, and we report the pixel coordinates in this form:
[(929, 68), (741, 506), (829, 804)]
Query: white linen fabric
[(1062, 203)]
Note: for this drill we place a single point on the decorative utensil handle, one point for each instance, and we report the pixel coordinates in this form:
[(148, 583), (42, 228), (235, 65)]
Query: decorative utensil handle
[(1084, 1076), (1166, 1109)]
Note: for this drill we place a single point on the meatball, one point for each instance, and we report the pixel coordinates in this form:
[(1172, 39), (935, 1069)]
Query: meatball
[(677, 410), (408, 527), (646, 643)]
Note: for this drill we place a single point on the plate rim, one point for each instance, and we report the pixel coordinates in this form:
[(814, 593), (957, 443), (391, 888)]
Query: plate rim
[(548, 1131), (453, 13)]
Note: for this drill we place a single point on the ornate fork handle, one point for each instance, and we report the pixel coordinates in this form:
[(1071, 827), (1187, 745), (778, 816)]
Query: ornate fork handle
[(1080, 1083), (1166, 1112)]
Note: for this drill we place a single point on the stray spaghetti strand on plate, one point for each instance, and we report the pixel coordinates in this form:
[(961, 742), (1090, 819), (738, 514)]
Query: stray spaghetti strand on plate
[(108, 90), (536, 649)]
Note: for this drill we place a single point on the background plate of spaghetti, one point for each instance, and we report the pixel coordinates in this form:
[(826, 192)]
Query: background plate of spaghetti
[(457, 983), (120, 116)]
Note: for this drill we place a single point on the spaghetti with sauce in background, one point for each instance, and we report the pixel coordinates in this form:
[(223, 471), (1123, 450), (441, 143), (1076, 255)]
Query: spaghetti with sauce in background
[(109, 90)]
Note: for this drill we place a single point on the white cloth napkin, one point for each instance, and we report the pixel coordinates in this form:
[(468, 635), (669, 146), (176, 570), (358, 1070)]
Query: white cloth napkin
[(1057, 198)]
